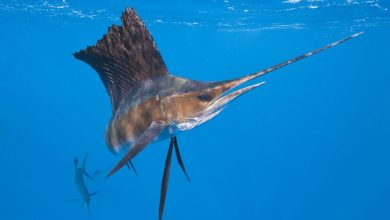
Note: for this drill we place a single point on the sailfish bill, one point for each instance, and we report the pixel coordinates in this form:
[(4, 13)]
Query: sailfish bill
[(148, 103)]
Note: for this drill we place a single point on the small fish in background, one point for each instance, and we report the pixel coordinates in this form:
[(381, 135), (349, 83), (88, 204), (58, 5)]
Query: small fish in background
[(80, 172), (148, 103)]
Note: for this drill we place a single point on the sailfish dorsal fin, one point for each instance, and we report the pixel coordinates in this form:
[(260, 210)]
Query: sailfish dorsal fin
[(124, 57)]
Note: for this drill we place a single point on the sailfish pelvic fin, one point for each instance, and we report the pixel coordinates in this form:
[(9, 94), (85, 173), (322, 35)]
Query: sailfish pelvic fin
[(165, 180), (179, 159)]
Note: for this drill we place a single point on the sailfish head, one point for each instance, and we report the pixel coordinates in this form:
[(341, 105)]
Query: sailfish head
[(202, 102)]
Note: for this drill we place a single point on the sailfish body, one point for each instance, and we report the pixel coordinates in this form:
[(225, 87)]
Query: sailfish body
[(148, 103), (163, 101), (177, 103)]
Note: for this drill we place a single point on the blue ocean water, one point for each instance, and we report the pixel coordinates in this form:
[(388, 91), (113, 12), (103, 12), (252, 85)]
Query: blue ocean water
[(312, 143)]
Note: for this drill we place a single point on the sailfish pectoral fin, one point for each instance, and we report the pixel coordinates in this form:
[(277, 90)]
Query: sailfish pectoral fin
[(164, 183), (145, 139), (84, 167), (87, 175), (94, 193), (178, 156)]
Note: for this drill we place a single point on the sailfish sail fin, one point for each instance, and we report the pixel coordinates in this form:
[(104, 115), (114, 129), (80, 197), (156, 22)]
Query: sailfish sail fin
[(124, 57)]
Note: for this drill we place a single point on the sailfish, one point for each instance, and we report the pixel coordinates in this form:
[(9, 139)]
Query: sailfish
[(148, 103), (80, 172)]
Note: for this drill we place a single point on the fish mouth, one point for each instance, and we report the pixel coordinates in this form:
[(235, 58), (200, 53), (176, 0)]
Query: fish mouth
[(219, 104), (227, 97), (222, 101)]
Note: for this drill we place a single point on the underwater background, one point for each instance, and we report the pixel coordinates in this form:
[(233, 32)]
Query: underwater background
[(312, 143)]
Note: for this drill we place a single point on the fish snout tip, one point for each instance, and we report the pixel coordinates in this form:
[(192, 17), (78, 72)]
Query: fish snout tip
[(254, 86)]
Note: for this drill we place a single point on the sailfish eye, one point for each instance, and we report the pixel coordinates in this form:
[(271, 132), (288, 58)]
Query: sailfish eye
[(204, 97)]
